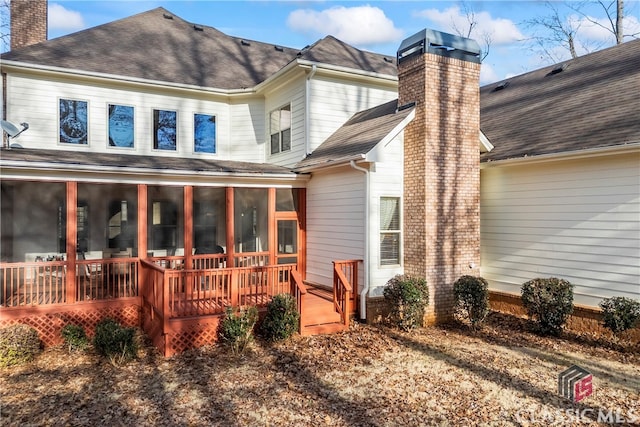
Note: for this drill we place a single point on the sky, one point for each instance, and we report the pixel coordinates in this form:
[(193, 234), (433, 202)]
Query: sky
[(377, 26)]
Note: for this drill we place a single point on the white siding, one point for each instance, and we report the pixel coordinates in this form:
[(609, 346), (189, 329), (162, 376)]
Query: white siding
[(578, 220), (385, 181), (335, 221), (291, 93), (333, 102), (35, 100)]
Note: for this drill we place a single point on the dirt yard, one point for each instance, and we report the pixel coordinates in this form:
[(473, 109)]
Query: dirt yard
[(368, 376)]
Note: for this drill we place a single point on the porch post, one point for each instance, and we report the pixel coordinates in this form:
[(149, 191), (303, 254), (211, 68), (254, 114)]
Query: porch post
[(142, 240), (71, 237), (272, 226), (230, 227), (302, 232), (188, 226)]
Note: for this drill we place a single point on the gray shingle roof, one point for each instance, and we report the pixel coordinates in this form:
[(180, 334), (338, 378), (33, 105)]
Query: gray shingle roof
[(592, 103), (151, 163), (150, 46), (357, 136)]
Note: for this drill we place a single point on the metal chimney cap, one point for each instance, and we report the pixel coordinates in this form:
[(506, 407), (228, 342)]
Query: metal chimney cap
[(439, 43)]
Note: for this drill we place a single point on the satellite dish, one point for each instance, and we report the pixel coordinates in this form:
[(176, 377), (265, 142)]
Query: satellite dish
[(11, 129)]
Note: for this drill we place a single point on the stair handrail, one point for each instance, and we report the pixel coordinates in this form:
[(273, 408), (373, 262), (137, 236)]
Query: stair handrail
[(298, 290), (342, 290)]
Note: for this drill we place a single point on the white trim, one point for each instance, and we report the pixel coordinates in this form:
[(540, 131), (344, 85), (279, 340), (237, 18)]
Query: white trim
[(567, 155), (485, 144)]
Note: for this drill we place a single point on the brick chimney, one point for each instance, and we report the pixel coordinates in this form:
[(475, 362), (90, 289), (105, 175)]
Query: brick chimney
[(440, 73), (28, 22)]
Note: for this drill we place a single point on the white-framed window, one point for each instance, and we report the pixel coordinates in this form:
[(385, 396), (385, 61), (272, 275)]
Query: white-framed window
[(73, 116), (390, 231), (280, 129), (204, 133), (165, 130)]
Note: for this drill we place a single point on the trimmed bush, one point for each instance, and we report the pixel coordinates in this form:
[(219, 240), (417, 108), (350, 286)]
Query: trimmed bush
[(472, 298), (18, 344), (236, 328), (549, 302), (114, 341), (282, 319), (74, 336), (407, 298), (620, 313)]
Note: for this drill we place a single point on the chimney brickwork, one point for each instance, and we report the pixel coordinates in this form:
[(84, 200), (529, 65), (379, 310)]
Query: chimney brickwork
[(441, 174), (28, 22)]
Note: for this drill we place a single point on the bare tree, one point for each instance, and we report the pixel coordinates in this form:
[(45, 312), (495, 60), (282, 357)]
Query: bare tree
[(5, 26), (469, 30), (561, 26)]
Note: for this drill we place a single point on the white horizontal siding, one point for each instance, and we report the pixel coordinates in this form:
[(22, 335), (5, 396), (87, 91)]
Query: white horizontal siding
[(578, 220), (35, 100), (335, 221), (292, 93), (333, 102), (385, 181)]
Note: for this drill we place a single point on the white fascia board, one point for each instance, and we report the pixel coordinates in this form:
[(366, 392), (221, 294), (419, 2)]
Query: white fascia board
[(9, 66), (485, 144), (373, 154), (346, 70), (567, 155)]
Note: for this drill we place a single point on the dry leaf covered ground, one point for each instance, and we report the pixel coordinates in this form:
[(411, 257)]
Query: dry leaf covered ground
[(368, 376)]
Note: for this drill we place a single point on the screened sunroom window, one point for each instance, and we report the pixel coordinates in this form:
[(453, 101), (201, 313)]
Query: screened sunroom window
[(280, 129), (390, 230)]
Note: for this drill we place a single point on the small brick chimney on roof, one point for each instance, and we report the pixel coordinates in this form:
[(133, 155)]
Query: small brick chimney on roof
[(28, 22), (440, 73)]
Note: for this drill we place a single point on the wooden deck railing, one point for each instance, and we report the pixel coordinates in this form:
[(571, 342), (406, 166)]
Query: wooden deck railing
[(208, 291), (345, 276), (33, 283), (45, 282)]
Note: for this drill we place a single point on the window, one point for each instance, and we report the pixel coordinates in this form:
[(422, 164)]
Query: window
[(204, 133), (120, 126), (74, 127), (164, 226), (82, 227), (280, 129), (390, 231), (121, 224), (164, 130)]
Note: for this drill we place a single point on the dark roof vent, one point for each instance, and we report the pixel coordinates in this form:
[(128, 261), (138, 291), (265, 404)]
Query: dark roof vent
[(501, 86), (389, 60), (197, 27), (558, 69), (405, 106), (439, 43), (245, 43), (278, 48), (167, 16)]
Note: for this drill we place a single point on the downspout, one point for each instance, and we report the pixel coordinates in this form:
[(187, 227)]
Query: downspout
[(365, 288), (307, 106)]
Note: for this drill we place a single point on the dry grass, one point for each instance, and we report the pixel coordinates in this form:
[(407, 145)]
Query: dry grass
[(368, 376)]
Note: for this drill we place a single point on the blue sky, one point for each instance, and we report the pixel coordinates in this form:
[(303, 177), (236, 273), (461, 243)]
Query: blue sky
[(377, 26)]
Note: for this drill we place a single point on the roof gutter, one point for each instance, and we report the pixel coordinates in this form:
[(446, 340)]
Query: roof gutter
[(365, 288), (567, 155), (307, 115), (331, 164)]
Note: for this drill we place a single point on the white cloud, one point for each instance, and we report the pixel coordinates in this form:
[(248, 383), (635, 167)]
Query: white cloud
[(63, 19), (360, 25), (487, 74), (501, 31), (598, 29)]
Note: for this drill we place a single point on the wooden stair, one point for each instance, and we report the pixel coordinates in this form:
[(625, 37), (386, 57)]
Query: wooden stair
[(319, 316)]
